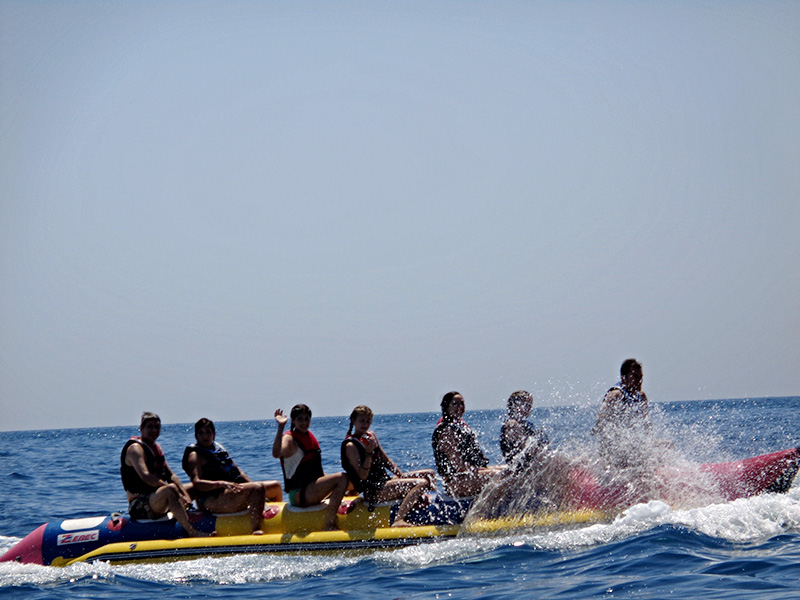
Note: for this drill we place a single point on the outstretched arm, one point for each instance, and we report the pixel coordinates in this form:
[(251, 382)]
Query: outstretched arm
[(278, 445)]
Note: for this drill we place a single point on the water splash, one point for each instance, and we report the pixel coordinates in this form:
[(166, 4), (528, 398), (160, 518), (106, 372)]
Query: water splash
[(553, 488)]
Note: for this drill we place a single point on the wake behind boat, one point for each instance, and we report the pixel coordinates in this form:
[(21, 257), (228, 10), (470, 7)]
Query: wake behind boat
[(117, 538)]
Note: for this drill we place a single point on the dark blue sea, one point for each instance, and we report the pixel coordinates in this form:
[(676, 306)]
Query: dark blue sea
[(743, 549)]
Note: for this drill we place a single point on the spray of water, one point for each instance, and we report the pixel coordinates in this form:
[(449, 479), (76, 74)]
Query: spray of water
[(580, 482)]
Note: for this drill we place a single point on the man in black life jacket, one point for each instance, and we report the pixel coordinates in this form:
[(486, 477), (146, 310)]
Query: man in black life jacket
[(151, 486), (624, 431), (218, 484)]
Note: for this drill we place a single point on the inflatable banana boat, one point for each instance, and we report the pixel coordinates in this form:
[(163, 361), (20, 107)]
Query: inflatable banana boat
[(116, 538)]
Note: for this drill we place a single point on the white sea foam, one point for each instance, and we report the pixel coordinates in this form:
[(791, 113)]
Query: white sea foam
[(251, 568), (227, 570), (14, 574), (6, 542), (446, 551), (746, 519), (740, 521)]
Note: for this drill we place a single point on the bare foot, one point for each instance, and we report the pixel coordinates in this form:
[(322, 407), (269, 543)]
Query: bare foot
[(199, 534), (401, 523)]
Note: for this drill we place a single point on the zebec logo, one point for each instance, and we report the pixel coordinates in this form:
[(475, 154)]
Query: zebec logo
[(78, 537)]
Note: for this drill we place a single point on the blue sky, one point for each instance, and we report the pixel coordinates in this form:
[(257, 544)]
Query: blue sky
[(221, 208)]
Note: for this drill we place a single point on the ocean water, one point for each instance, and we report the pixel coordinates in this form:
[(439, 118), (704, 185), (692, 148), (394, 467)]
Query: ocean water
[(748, 548)]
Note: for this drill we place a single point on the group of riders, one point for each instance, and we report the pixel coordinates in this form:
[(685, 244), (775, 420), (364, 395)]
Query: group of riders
[(218, 485)]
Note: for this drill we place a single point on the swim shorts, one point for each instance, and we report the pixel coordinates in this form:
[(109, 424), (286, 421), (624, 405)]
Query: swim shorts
[(297, 496), (139, 509)]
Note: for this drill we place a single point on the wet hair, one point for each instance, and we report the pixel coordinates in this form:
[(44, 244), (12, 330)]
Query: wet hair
[(148, 416), (628, 365), (518, 398), (361, 409), (204, 423), (297, 410), (447, 400)]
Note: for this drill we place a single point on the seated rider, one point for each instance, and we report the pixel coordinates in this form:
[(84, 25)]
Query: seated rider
[(459, 458), (218, 485), (366, 465), (520, 441), (301, 460), (151, 486), (623, 428)]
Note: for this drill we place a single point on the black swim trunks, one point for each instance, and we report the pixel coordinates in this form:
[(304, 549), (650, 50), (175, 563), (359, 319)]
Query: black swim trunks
[(139, 509)]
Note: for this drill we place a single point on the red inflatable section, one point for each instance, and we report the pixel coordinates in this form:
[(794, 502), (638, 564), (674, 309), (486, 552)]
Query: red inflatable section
[(727, 481), (767, 473), (28, 549)]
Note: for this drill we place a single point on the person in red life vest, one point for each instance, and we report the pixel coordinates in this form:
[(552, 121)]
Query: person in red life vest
[(459, 458), (218, 485), (368, 467), (301, 460), (151, 486)]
